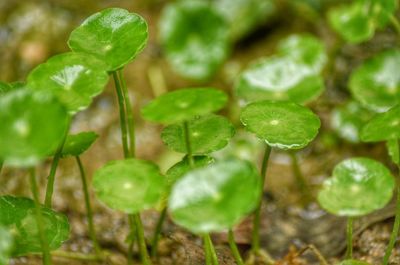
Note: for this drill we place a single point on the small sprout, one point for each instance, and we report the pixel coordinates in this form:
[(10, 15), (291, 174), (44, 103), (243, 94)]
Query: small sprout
[(393, 150), (18, 215), (348, 119), (113, 35), (250, 13), (356, 22), (285, 125), (383, 126), (129, 185), (195, 38), (304, 49), (376, 83), (184, 104), (6, 245), (353, 262), (358, 187), (76, 144), (75, 78), (207, 134), (216, 197), (33, 126)]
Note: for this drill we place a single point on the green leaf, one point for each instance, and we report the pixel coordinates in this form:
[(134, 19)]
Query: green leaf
[(250, 13), (130, 185), (182, 167), (114, 35), (284, 125), (348, 120), (76, 144), (305, 49), (393, 150), (376, 83), (74, 77), (383, 126), (184, 104), (4, 87), (353, 262), (6, 245), (207, 134), (358, 186), (279, 78), (216, 197), (33, 125), (18, 215), (195, 38)]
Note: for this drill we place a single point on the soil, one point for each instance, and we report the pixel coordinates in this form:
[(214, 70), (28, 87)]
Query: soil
[(31, 31)]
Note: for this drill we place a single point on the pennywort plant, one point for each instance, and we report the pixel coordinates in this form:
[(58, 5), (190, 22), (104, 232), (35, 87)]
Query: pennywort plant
[(358, 186)]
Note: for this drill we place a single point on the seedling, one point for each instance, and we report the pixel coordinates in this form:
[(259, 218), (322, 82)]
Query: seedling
[(293, 74), (357, 21), (283, 125), (195, 37), (6, 245), (208, 133), (130, 186), (386, 127), (348, 119), (216, 197), (358, 186), (75, 145), (75, 78), (18, 215), (376, 83)]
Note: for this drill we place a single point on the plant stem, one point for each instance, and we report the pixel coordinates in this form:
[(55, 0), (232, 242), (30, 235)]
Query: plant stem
[(77, 256), (395, 22), (132, 236), (92, 231), (157, 232), (122, 117), (39, 219), (212, 252), (207, 250), (188, 145), (300, 180), (129, 113), (1, 165), (234, 248), (349, 235), (255, 244), (316, 252), (141, 241), (395, 230)]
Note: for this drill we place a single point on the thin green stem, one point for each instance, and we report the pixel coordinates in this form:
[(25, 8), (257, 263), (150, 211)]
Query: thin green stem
[(77, 256), (129, 113), (349, 236), (207, 250), (89, 211), (188, 145), (234, 248), (141, 241), (132, 236), (300, 180), (212, 251), (1, 165), (122, 116), (395, 22), (255, 246), (395, 230), (39, 219), (52, 175), (157, 232)]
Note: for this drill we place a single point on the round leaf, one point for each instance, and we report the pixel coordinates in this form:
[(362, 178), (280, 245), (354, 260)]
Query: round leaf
[(304, 49), (18, 215), (74, 77), (129, 185), (376, 83), (279, 78), (184, 104), (76, 144), (215, 197), (206, 134), (358, 186), (384, 126), (114, 35), (195, 38), (6, 245), (33, 125), (348, 120), (284, 125)]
